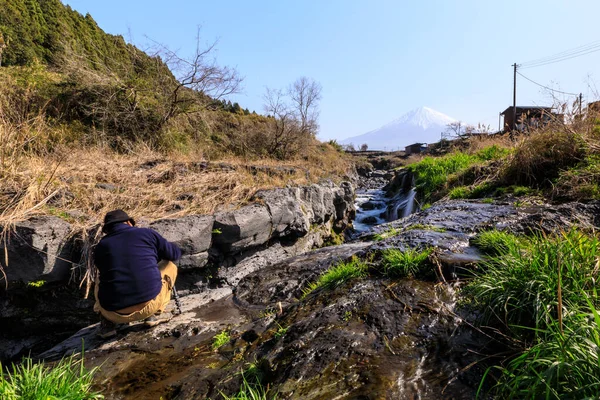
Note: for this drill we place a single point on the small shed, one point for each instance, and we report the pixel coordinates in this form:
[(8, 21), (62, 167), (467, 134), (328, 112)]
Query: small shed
[(415, 148), (526, 117)]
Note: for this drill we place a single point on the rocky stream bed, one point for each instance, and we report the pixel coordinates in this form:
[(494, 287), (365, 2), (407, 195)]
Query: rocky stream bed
[(370, 338)]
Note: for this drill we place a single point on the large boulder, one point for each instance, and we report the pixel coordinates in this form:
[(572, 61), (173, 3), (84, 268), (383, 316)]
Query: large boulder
[(241, 229), (192, 233), (38, 249), (286, 212)]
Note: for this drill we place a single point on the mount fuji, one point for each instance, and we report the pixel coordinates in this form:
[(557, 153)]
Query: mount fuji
[(421, 125)]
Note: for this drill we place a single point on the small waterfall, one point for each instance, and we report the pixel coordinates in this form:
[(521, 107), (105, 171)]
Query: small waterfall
[(374, 205), (403, 203), (410, 203)]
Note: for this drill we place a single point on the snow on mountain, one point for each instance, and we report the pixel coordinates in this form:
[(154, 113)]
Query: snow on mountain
[(421, 125)]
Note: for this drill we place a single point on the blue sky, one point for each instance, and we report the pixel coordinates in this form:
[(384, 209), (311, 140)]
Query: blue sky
[(375, 59)]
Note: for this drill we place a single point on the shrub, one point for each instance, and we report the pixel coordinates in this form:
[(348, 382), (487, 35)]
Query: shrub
[(67, 380), (407, 263), (539, 158)]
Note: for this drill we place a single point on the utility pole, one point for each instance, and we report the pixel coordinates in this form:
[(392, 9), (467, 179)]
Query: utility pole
[(580, 101), (514, 98)]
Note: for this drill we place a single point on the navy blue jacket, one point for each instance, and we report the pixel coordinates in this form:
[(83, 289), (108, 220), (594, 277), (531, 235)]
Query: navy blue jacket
[(127, 259)]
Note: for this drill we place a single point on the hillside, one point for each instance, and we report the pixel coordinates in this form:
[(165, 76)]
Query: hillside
[(70, 92)]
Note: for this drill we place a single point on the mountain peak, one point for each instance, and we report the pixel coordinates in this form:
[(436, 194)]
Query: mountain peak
[(423, 125), (423, 117)]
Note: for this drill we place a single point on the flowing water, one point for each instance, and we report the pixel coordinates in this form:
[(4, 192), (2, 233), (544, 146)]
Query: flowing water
[(376, 205)]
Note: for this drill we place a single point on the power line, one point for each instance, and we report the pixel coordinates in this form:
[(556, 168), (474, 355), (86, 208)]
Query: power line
[(564, 53), (546, 87), (562, 56)]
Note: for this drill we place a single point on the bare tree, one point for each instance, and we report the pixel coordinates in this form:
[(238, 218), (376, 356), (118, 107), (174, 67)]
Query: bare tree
[(305, 94), (200, 73), (295, 113), (453, 130), (284, 124), (364, 147)]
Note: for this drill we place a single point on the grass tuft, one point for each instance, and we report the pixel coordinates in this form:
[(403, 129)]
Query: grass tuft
[(519, 287), (498, 242), (67, 380), (408, 263), (250, 391), (221, 339), (338, 274)]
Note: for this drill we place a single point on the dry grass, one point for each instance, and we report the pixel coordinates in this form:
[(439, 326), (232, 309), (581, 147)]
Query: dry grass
[(82, 185)]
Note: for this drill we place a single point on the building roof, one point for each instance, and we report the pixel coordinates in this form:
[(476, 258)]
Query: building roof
[(524, 108), (416, 144)]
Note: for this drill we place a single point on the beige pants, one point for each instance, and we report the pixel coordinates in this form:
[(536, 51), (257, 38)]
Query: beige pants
[(168, 273)]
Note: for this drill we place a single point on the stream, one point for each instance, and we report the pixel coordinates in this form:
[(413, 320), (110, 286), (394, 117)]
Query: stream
[(382, 197), (373, 337)]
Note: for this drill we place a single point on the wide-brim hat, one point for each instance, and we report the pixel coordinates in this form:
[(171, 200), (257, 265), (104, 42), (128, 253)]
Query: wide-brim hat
[(116, 216)]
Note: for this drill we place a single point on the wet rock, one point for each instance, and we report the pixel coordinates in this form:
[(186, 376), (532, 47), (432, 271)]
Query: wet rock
[(371, 205), (38, 249), (286, 212), (371, 220), (243, 228), (192, 233), (284, 281)]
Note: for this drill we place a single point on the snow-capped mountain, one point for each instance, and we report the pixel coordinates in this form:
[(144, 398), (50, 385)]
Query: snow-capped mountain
[(421, 125)]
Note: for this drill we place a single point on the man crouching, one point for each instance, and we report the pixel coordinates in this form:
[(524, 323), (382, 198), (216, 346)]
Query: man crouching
[(136, 274)]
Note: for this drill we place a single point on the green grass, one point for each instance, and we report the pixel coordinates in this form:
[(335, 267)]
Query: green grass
[(280, 332), (67, 380), (221, 339), (498, 242), (338, 274), (519, 287), (425, 228), (408, 263), (459, 192), (563, 364), (388, 233), (493, 152), (432, 173), (542, 292), (251, 391)]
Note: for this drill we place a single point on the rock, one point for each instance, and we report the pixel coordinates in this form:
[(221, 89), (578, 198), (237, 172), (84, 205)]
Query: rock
[(371, 205), (284, 281), (318, 201), (38, 249), (370, 220), (286, 212), (192, 233), (244, 228)]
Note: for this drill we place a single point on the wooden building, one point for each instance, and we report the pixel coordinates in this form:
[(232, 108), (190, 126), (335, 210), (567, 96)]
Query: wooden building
[(415, 148), (527, 117)]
